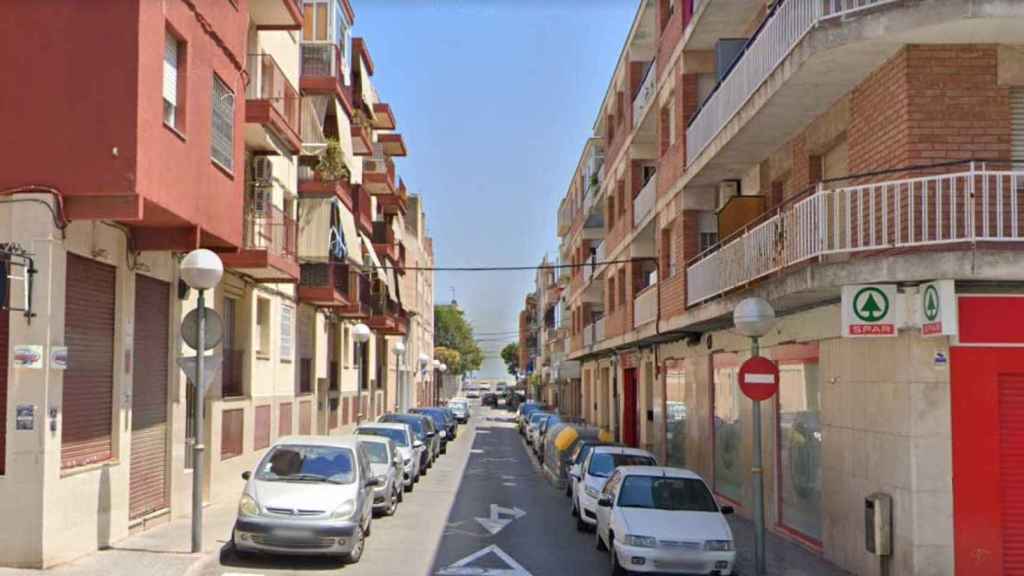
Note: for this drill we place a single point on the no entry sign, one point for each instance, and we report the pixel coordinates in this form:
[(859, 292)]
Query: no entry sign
[(759, 378)]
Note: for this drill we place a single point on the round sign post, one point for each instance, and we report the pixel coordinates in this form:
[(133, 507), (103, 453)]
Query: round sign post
[(759, 378)]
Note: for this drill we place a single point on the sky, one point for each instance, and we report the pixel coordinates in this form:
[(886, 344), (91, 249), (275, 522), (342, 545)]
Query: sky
[(495, 100)]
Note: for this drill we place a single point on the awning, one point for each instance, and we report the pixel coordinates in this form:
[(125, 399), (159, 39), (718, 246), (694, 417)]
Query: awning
[(382, 274), (314, 114), (320, 220), (348, 228)]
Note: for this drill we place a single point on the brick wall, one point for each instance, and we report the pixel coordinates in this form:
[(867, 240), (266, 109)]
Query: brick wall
[(685, 245), (672, 164), (671, 33), (878, 132)]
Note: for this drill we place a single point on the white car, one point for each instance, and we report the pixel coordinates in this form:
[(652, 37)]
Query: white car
[(599, 465), (533, 426), (665, 520), (405, 440)]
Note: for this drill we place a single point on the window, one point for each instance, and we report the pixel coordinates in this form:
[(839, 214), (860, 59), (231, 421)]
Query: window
[(222, 139), (675, 412), (286, 332), (611, 211), (800, 438), (263, 326), (174, 58), (603, 463), (622, 198), (611, 294), (305, 463), (341, 35), (672, 120), (261, 429), (730, 476)]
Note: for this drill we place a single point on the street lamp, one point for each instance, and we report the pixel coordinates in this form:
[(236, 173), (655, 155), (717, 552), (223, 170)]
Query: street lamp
[(443, 368), (400, 399), (755, 317), (201, 269), (436, 365), (360, 335), (424, 360)]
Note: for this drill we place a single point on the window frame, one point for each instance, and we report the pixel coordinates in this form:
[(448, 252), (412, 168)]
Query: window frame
[(177, 125), (214, 114)]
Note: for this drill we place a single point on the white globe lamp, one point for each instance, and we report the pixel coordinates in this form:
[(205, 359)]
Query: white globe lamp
[(361, 333), (202, 269), (753, 317)]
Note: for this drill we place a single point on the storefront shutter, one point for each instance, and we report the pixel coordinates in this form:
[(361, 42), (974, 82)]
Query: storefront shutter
[(1011, 470), (1017, 122), (5, 352), (89, 378)]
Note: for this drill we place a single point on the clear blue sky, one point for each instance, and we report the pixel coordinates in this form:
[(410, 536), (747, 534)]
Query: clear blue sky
[(495, 99)]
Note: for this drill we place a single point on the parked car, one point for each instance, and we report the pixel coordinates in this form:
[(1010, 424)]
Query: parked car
[(489, 399), (416, 423), (655, 518), (599, 465), (460, 408), (533, 425), (541, 437), (309, 495), (523, 414), (471, 391), (386, 465), (405, 440), (433, 433), (437, 416), (576, 459)]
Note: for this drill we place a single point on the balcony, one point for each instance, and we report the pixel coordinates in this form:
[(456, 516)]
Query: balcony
[(645, 94), (362, 209), (328, 284), (383, 118), (268, 246), (276, 14), (323, 72), (645, 306), (564, 218), (271, 107), (362, 138), (980, 207), (394, 144), (393, 204), (379, 172), (643, 204), (312, 185), (388, 318), (385, 244), (360, 300)]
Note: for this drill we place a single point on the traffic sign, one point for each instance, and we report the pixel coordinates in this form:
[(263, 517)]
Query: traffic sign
[(214, 329), (759, 378), (937, 308), (210, 366), (872, 310)]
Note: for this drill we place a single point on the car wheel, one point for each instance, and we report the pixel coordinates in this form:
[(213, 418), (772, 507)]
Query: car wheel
[(239, 553), (617, 569), (357, 546), (600, 543), (369, 526), (568, 490), (393, 505), (401, 491), (573, 511)]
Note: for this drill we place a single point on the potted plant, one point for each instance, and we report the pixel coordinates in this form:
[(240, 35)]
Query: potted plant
[(331, 164)]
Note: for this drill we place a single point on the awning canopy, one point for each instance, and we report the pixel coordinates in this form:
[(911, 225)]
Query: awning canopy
[(382, 274)]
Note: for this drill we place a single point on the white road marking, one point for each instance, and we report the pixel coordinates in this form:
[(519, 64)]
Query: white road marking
[(483, 431), (508, 483), (496, 523), (463, 568), (477, 451)]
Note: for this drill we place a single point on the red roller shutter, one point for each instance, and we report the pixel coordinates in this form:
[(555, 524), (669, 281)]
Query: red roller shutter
[(1011, 470), (5, 352), (89, 378), (148, 489), (284, 419), (306, 417), (261, 428)]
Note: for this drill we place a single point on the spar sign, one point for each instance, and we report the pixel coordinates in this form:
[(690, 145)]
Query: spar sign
[(871, 311), (759, 378), (937, 308)]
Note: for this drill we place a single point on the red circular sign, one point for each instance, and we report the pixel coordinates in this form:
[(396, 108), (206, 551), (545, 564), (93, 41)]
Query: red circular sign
[(759, 378)]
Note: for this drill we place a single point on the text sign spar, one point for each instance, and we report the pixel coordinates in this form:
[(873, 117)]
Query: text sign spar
[(871, 310), (937, 308), (759, 378)]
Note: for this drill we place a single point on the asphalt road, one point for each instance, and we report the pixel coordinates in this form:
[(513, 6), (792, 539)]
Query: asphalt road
[(483, 510)]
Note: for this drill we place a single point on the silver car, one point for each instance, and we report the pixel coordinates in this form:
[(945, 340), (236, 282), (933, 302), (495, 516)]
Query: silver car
[(386, 464), (408, 446), (309, 495)]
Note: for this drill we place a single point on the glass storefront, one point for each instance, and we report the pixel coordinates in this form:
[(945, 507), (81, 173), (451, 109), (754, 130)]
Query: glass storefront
[(675, 412), (800, 439), (730, 476)]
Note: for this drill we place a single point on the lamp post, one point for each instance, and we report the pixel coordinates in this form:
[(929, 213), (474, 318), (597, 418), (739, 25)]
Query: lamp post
[(400, 403), (754, 317), (443, 368), (360, 335), (424, 361), (201, 269), (436, 365)]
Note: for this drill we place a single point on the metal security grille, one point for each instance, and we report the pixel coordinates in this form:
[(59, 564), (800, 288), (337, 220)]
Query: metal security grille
[(261, 428), (284, 419), (306, 417), (1017, 122), (232, 428), (222, 138), (4, 354), (148, 483), (89, 378), (1011, 470)]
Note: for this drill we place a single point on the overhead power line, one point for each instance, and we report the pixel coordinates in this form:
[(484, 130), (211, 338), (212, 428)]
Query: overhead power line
[(508, 268)]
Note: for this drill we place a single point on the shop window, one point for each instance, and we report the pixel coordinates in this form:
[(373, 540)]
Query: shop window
[(800, 439), (730, 473), (675, 412)]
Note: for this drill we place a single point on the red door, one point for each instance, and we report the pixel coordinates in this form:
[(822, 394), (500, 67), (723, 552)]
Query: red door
[(630, 435)]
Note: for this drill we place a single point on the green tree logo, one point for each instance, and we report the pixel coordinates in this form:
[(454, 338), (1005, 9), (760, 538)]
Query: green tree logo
[(931, 303), (870, 304)]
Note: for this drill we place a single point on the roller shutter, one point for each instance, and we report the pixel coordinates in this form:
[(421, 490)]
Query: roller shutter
[(148, 490), (5, 352), (89, 378), (1017, 122), (1011, 470)]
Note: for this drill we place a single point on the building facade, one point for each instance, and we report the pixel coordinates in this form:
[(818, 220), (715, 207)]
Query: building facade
[(857, 165), (251, 128)]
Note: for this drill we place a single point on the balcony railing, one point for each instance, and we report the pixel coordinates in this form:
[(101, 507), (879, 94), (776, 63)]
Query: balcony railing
[(643, 204), (564, 217), (979, 204), (843, 7), (333, 275), (268, 82), (322, 60), (645, 306), (270, 229), (645, 94)]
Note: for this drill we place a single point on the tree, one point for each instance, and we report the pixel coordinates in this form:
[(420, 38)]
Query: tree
[(452, 331), (510, 354), (448, 356)]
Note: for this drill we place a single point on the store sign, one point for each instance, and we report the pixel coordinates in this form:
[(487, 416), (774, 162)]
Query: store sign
[(871, 311), (30, 356), (937, 308)]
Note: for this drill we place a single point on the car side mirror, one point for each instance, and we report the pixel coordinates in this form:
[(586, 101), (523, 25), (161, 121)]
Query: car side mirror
[(246, 475), (728, 510), (605, 502), (417, 444), (371, 482)]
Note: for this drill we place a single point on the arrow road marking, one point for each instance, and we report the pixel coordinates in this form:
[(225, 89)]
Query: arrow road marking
[(496, 523), (463, 568)]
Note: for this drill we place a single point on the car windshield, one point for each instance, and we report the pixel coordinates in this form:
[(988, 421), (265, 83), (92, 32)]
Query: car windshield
[(458, 406), (602, 464), (535, 418), (661, 493), (299, 463), (435, 415), (396, 436), (377, 451), (582, 449), (415, 423)]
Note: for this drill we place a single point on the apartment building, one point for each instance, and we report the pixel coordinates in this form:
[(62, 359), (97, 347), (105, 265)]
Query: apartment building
[(528, 351), (856, 163), (220, 125)]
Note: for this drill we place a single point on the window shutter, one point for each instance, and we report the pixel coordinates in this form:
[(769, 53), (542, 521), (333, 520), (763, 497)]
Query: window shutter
[(1017, 123), (223, 137), (171, 70), (286, 332)]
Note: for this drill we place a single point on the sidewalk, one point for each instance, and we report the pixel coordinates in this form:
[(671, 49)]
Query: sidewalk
[(785, 558), (160, 551)]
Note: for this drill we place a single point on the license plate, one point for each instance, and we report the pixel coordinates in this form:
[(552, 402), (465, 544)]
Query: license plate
[(293, 533)]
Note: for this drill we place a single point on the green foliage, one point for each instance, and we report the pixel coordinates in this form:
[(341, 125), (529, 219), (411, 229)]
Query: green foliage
[(510, 354), (452, 331), (331, 165), (448, 356)]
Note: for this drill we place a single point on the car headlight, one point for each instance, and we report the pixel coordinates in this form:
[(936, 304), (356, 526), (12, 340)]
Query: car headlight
[(247, 506), (345, 510), (640, 541), (718, 545), (591, 492)]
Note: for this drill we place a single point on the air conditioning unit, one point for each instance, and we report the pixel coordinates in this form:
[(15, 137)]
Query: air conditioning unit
[(262, 169), (726, 190)]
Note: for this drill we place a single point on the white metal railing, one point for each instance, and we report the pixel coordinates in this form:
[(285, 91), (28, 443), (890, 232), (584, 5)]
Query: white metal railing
[(643, 204), (844, 7), (599, 329), (645, 95), (776, 38), (645, 306), (588, 335), (974, 205)]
